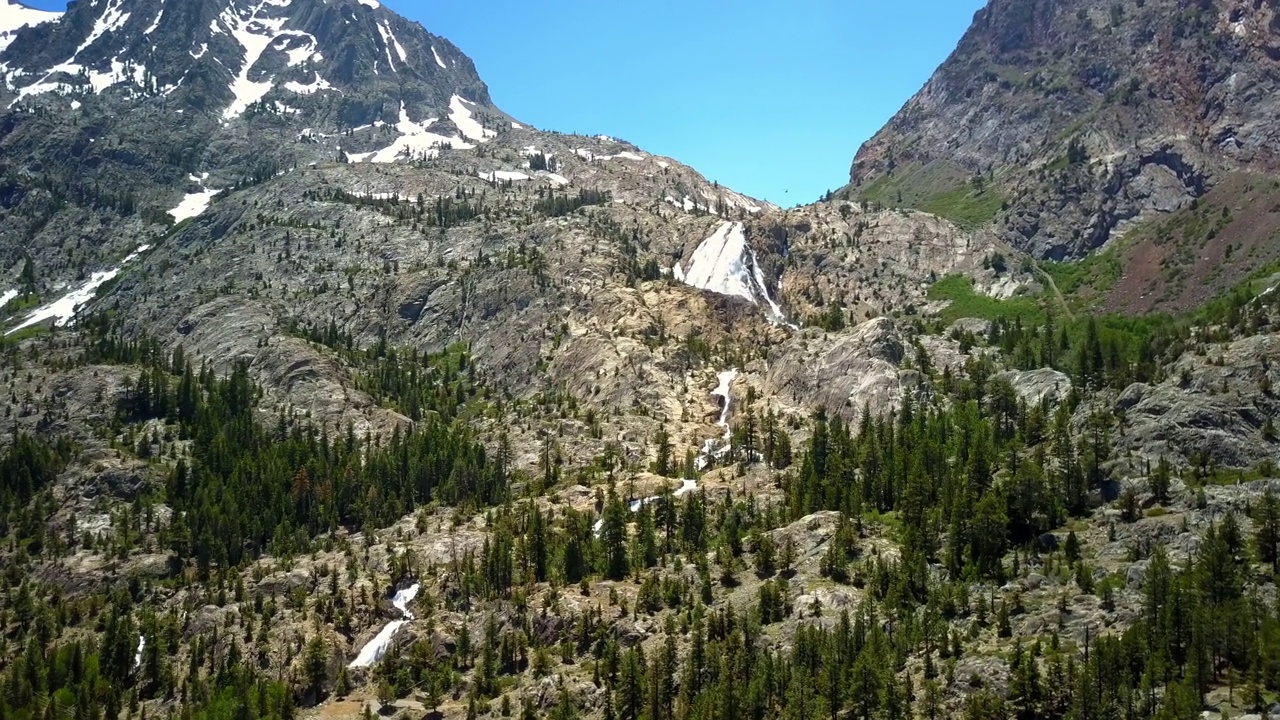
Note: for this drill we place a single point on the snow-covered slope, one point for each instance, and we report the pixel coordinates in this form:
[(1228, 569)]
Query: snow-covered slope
[(14, 16), (233, 59), (63, 310)]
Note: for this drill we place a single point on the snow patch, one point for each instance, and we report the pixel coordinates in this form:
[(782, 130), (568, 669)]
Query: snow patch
[(62, 310), (255, 35), (387, 40), (8, 297), (589, 156), (438, 60), (315, 86), (192, 205), (14, 17), (155, 23), (404, 57), (687, 204), (300, 54), (414, 142), (503, 175), (113, 18), (460, 116)]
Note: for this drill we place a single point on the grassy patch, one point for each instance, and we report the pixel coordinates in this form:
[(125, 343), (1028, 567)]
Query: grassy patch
[(23, 334), (912, 186), (969, 303), (18, 304), (1085, 279), (1234, 476), (965, 207)]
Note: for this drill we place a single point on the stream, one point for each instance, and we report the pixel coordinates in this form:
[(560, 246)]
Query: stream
[(712, 449)]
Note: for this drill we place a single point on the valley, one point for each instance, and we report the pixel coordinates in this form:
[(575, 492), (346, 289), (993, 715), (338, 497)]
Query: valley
[(330, 390)]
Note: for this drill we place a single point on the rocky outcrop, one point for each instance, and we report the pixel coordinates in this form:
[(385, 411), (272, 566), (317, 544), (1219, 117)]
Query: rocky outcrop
[(1036, 386), (1212, 411), (1083, 117), (847, 372)]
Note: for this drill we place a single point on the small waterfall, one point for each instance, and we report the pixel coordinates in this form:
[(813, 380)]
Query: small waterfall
[(375, 649)]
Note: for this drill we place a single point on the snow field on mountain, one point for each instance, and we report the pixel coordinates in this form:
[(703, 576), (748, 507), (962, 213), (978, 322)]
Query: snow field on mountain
[(64, 308), (14, 17)]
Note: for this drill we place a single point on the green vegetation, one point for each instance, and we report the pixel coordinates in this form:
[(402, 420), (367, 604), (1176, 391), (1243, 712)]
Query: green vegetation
[(965, 206), (1092, 276), (301, 480), (908, 186), (965, 488), (939, 189), (969, 303)]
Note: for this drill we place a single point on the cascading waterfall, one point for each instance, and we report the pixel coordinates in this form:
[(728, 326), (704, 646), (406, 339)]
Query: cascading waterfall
[(375, 649), (712, 449), (726, 264)]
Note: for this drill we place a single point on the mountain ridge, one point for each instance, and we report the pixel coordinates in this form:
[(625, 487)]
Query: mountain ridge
[(1083, 118)]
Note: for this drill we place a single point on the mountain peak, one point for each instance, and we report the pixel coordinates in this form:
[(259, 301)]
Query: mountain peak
[(226, 57), (1064, 123)]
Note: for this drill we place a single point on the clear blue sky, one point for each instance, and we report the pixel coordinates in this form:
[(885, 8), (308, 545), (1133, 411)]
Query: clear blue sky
[(769, 98)]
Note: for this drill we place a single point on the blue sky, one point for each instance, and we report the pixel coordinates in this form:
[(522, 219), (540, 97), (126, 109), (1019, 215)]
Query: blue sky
[(769, 98)]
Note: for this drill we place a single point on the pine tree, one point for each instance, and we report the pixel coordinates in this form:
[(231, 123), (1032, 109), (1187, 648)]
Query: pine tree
[(316, 667), (613, 535), (662, 464), (1267, 532)]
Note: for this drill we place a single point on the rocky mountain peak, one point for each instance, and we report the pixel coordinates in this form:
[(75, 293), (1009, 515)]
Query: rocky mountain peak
[(1065, 123), (14, 16), (230, 57)]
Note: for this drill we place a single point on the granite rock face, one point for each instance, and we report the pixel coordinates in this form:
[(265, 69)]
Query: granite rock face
[(1073, 120)]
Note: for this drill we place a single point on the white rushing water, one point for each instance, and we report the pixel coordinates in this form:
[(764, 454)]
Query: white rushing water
[(711, 449), (726, 264), (375, 649)]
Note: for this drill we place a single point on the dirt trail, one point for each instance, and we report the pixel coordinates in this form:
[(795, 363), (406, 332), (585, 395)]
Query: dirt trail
[(1056, 292)]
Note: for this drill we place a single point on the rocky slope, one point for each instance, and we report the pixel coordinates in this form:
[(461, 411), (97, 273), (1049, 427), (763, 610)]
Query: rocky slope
[(314, 187), (116, 112), (1062, 124)]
